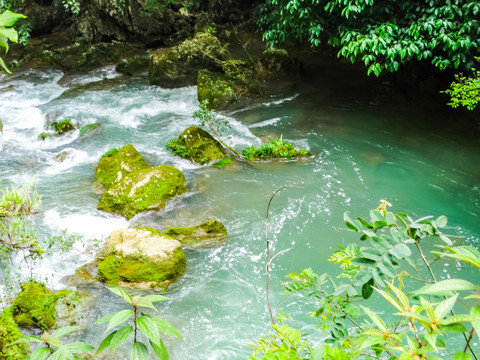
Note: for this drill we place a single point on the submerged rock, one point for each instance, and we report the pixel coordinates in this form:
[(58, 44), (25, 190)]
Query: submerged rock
[(143, 190), (209, 234), (142, 258), (8, 334), (35, 306), (89, 129), (197, 145), (179, 66)]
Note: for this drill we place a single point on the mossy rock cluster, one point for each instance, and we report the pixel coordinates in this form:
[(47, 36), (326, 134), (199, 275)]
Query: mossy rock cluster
[(197, 145), (134, 65), (209, 234), (9, 333), (143, 258), (35, 306), (179, 66), (59, 128), (132, 186)]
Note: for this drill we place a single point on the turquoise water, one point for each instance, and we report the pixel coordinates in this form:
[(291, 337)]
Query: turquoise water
[(362, 152)]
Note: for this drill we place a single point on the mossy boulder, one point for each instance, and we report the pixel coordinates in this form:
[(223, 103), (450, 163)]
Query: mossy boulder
[(142, 258), (197, 145), (143, 190), (62, 127), (209, 234), (9, 333), (35, 306), (278, 64), (179, 66), (134, 65), (216, 89), (115, 164)]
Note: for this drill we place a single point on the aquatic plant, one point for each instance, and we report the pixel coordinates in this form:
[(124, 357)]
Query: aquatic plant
[(276, 148), (424, 323), (145, 324)]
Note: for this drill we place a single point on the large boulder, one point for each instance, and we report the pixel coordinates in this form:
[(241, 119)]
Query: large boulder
[(115, 164), (179, 66), (197, 145), (142, 258), (207, 235), (143, 190), (278, 64)]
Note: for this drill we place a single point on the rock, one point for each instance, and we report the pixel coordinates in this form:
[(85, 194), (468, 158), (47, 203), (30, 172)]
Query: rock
[(216, 89), (277, 63), (35, 306), (179, 66), (142, 258), (61, 157), (134, 65), (197, 145), (9, 333), (89, 128), (62, 127), (116, 164), (209, 234), (142, 190), (1, 126)]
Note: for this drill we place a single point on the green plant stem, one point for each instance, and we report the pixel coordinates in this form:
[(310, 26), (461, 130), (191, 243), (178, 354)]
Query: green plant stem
[(467, 339), (135, 322)]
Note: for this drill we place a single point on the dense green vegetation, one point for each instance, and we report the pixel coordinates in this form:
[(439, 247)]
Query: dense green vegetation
[(381, 34), (423, 324), (465, 90), (7, 20)]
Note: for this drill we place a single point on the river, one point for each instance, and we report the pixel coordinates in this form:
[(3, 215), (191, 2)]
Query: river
[(363, 152)]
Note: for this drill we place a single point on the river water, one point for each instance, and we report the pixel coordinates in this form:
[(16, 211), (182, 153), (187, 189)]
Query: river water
[(362, 152)]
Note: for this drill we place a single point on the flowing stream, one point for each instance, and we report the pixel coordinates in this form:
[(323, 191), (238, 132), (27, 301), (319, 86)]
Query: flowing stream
[(362, 153)]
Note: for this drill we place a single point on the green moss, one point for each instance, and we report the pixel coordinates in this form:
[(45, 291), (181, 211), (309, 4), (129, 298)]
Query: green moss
[(197, 145), (143, 190), (35, 306), (114, 268), (222, 163), (216, 89), (88, 128), (9, 333), (210, 233), (44, 136), (63, 126), (276, 148), (116, 164)]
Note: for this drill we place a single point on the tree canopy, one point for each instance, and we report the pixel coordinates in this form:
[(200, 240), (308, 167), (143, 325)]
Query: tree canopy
[(383, 34)]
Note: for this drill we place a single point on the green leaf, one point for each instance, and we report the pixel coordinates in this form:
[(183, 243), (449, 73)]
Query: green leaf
[(390, 218), (349, 222), (40, 353), (78, 347), (2, 64), (61, 354), (29, 339), (167, 328), (365, 223), (155, 298), (475, 314), (160, 350), (376, 216), (10, 33), (106, 342), (122, 293), (367, 289), (441, 221), (119, 318), (445, 306), (461, 356), (120, 336), (145, 303), (104, 319), (63, 331), (9, 18), (446, 287), (139, 351), (149, 328)]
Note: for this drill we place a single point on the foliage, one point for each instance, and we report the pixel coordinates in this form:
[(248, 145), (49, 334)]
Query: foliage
[(110, 152), (465, 91), (157, 6), (8, 334), (381, 34), (424, 324), (176, 148), (276, 148), (222, 163), (52, 348), (7, 20), (143, 323), (63, 126), (72, 5)]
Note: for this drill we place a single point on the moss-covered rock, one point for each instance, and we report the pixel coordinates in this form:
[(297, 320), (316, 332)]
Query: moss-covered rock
[(179, 66), (133, 66), (61, 127), (116, 164), (277, 63), (143, 190), (35, 306), (141, 258), (197, 145), (216, 89), (209, 234), (9, 333), (89, 128)]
